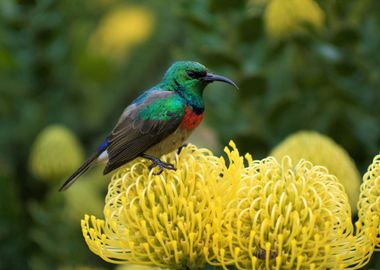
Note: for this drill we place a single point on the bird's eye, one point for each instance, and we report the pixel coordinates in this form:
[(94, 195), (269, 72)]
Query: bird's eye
[(196, 74)]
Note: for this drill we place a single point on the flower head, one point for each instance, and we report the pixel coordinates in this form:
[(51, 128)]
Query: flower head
[(321, 150), (369, 202), (289, 216), (121, 29), (284, 18), (231, 213), (162, 220), (55, 153), (85, 196)]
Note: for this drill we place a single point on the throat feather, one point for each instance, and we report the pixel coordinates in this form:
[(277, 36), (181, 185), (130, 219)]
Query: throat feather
[(191, 119)]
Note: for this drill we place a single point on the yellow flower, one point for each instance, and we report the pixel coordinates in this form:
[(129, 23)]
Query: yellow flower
[(321, 150), (85, 196), (163, 220), (220, 212), (55, 154), (286, 17), (369, 202), (121, 29), (291, 216)]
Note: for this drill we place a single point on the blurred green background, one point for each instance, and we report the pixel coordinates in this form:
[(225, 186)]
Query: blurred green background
[(72, 66)]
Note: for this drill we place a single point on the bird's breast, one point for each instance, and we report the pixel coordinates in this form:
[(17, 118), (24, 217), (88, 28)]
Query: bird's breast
[(170, 143), (191, 120)]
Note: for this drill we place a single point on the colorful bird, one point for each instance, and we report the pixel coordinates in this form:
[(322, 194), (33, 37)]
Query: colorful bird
[(157, 122)]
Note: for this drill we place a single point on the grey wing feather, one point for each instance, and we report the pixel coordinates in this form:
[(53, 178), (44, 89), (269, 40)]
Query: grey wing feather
[(133, 136)]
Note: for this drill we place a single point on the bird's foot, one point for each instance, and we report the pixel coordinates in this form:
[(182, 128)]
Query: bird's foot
[(181, 147), (161, 165), (156, 162)]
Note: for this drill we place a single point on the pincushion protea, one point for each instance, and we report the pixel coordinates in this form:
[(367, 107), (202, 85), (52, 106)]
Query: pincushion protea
[(55, 153), (237, 212)]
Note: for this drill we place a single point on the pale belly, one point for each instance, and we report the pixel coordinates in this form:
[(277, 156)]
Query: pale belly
[(170, 143)]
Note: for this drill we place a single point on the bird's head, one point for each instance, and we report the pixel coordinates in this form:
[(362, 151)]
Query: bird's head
[(191, 76)]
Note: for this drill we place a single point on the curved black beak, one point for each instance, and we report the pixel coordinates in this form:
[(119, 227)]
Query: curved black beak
[(213, 77)]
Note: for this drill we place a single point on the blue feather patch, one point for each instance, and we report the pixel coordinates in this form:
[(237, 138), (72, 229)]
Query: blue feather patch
[(103, 146)]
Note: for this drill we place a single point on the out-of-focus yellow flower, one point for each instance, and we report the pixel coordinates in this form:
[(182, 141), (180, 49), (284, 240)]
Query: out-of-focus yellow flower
[(86, 196), (321, 150), (267, 215), (121, 29), (55, 154), (286, 17)]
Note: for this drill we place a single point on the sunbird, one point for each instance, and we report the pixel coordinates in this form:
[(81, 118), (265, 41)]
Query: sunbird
[(157, 122)]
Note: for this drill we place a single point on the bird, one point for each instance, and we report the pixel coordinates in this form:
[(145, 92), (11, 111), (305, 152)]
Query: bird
[(157, 122)]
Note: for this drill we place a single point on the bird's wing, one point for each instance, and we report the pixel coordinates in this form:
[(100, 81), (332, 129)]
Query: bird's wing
[(143, 125)]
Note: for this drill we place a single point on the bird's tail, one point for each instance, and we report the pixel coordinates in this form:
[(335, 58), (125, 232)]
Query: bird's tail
[(81, 170)]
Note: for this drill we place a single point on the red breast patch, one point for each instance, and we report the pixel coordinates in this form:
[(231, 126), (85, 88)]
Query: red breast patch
[(191, 120)]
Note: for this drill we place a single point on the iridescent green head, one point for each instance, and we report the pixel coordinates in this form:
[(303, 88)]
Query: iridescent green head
[(191, 76)]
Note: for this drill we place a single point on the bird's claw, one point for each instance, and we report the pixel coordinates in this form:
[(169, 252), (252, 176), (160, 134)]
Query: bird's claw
[(156, 162), (161, 165)]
